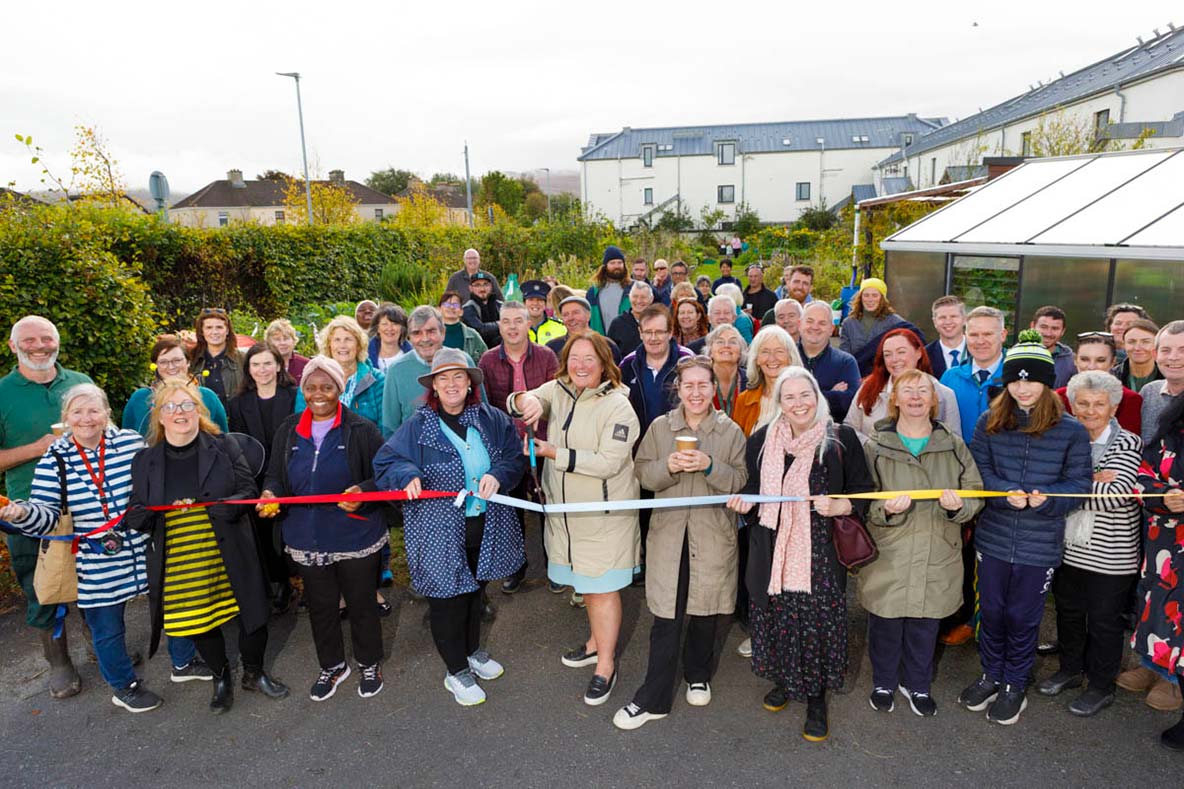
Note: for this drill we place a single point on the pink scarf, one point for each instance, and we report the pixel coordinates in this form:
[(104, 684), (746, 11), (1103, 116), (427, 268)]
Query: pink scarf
[(791, 554)]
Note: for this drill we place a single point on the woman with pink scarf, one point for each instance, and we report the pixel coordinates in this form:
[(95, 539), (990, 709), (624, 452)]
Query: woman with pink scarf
[(796, 586)]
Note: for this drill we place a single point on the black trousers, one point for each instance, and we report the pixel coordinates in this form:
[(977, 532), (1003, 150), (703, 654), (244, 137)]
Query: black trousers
[(271, 551), (355, 581), (741, 586), (1090, 623), (456, 621), (211, 645), (901, 651), (656, 693)]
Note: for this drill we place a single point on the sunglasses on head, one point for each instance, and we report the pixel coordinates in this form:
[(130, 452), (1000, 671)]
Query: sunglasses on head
[(1091, 335), (213, 311)]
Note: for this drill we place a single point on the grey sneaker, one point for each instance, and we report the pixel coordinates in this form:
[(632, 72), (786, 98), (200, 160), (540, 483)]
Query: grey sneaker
[(1091, 702), (195, 671), (136, 698), (484, 666), (464, 688)]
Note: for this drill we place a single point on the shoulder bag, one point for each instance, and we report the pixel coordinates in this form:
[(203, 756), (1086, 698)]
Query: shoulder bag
[(55, 579)]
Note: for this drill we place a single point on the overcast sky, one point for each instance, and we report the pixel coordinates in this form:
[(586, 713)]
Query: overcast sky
[(190, 89)]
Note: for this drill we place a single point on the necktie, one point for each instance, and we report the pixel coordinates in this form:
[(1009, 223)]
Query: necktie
[(983, 375), (954, 358)]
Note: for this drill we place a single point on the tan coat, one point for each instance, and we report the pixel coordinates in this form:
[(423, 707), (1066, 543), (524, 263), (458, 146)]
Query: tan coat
[(919, 570), (593, 437), (710, 532)]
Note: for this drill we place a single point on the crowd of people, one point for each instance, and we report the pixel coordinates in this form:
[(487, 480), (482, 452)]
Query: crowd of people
[(647, 385)]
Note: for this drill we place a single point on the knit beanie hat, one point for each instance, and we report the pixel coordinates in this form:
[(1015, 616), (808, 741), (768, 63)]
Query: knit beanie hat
[(329, 367), (1027, 360), (875, 283), (612, 253)]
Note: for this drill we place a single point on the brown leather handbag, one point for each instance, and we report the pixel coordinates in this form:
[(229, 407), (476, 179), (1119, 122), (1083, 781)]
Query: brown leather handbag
[(854, 546)]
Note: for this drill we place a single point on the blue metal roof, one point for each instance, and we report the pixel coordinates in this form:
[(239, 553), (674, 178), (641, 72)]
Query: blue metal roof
[(863, 192), (843, 133), (894, 185), (1162, 53)]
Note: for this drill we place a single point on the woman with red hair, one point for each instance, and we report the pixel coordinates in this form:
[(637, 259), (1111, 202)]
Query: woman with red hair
[(899, 351)]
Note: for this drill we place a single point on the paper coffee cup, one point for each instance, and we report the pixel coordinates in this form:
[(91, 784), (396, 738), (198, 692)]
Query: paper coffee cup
[(686, 443), (58, 428)]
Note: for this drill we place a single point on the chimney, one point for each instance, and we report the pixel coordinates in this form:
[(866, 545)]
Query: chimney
[(236, 179), (337, 176)]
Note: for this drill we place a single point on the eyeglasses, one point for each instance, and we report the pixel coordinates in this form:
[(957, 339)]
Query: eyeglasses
[(1090, 335), (651, 334), (185, 407), (453, 304)]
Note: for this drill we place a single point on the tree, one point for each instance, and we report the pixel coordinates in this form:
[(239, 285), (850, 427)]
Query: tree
[(272, 175), (534, 207), (390, 181), (1064, 134), (746, 222), (446, 178), (675, 221), (499, 189), (332, 203), (94, 172), (817, 217), (420, 210)]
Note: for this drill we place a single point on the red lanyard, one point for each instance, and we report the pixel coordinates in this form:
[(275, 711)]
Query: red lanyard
[(97, 478)]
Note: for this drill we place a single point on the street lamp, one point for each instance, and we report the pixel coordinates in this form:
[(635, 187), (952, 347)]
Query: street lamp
[(548, 171), (303, 150)]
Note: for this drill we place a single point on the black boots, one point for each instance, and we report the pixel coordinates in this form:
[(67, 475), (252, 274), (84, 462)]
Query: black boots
[(816, 729), (256, 679), (223, 698), (64, 681)]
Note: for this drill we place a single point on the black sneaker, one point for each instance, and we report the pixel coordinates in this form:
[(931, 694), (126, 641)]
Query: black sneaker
[(578, 657), (599, 689), (327, 682), (136, 698), (1060, 681), (1091, 703), (816, 728), (976, 696), (1006, 709), (512, 584), (1173, 738), (371, 682), (196, 670), (776, 699), (921, 703), (555, 588), (384, 608), (882, 699)]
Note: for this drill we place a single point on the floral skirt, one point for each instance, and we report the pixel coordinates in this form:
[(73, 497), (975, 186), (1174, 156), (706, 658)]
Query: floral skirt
[(799, 641)]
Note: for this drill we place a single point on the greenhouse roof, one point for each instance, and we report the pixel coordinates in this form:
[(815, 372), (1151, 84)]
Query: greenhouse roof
[(1108, 205)]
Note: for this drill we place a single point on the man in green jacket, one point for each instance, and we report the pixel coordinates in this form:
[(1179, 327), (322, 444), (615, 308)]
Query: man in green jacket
[(30, 404)]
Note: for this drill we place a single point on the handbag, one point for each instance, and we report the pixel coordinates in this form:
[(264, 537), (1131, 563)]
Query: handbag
[(854, 546), (55, 579)]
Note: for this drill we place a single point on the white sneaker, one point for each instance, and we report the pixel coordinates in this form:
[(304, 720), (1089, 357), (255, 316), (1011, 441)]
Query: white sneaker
[(632, 717), (698, 694), (464, 688), (745, 648), (484, 666)]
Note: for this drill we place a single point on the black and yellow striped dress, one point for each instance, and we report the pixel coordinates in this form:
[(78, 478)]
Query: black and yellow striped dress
[(197, 593)]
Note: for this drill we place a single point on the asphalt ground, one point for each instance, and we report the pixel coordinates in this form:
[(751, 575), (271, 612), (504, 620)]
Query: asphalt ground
[(535, 730)]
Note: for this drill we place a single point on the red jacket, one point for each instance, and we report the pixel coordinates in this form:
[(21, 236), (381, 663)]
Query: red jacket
[(538, 366), (1130, 410)]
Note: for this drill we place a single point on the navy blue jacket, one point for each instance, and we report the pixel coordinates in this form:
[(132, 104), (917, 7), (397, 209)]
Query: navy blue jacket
[(831, 367), (938, 362), (1057, 461), (633, 367), (434, 529), (375, 344)]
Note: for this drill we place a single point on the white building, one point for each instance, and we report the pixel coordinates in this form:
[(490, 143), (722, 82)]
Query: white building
[(233, 199), (1136, 92), (775, 169)]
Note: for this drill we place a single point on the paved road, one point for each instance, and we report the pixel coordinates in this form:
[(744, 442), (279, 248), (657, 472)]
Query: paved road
[(535, 730)]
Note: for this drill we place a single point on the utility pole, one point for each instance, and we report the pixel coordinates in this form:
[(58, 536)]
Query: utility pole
[(548, 171), (303, 149), (468, 186)]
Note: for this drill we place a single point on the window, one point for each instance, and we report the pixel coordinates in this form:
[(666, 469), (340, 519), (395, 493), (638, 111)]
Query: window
[(933, 170), (906, 139), (647, 156), (647, 196), (1026, 144), (725, 194), (803, 190), (378, 213), (725, 153), (279, 217), (1101, 122), (223, 218)]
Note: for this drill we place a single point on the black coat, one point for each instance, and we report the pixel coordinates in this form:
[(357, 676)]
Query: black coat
[(222, 473), (846, 472), (245, 416)]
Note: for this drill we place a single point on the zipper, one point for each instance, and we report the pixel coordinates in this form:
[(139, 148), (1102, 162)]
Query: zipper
[(563, 473)]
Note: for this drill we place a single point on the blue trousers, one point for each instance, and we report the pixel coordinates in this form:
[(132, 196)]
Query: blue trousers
[(109, 636), (1011, 605), (901, 651)]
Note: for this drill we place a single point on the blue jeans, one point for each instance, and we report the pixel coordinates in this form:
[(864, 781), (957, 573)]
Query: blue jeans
[(108, 631)]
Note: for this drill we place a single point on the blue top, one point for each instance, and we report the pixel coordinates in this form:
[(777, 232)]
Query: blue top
[(973, 398), (831, 367), (476, 462), (138, 411)]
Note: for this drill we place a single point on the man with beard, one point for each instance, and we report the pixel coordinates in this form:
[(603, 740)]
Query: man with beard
[(30, 403), (482, 310), (798, 282), (609, 293)]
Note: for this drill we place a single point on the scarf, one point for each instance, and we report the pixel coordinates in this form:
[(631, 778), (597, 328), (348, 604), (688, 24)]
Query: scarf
[(791, 553)]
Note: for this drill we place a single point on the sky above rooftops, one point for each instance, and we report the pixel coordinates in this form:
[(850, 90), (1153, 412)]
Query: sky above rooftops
[(190, 89)]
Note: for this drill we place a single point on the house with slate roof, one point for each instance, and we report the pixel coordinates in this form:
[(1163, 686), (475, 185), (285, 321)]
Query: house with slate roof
[(234, 199), (1135, 93), (633, 176)]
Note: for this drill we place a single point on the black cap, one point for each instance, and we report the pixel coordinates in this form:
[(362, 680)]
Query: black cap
[(535, 289), (485, 275)]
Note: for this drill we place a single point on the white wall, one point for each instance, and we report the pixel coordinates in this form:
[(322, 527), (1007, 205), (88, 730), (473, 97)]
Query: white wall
[(209, 217)]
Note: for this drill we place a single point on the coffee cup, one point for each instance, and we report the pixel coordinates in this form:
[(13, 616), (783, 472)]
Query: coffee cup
[(686, 443)]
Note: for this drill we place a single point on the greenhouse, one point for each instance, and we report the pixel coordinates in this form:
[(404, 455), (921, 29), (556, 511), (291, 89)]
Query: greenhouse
[(1080, 232)]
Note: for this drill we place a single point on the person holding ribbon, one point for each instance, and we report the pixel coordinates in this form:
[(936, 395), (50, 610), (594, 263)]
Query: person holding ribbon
[(591, 430), (691, 552), (796, 586), (917, 578), (168, 361), (456, 442), (1024, 445), (203, 567), (771, 351), (88, 471), (326, 450)]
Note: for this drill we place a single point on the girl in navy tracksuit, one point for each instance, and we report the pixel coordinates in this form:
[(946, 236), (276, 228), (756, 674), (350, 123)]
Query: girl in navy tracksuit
[(1026, 445)]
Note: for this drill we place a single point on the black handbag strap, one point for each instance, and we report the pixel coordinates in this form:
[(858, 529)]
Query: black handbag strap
[(63, 506)]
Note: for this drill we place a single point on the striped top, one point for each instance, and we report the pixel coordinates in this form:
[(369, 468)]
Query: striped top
[(197, 596), (1114, 547), (102, 579)]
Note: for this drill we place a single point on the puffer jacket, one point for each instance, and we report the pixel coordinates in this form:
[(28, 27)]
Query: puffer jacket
[(918, 573), (710, 532), (593, 434), (1057, 461)]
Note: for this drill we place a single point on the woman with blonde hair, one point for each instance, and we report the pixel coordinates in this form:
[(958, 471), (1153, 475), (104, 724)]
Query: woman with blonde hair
[(280, 334), (771, 352), (343, 341)]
